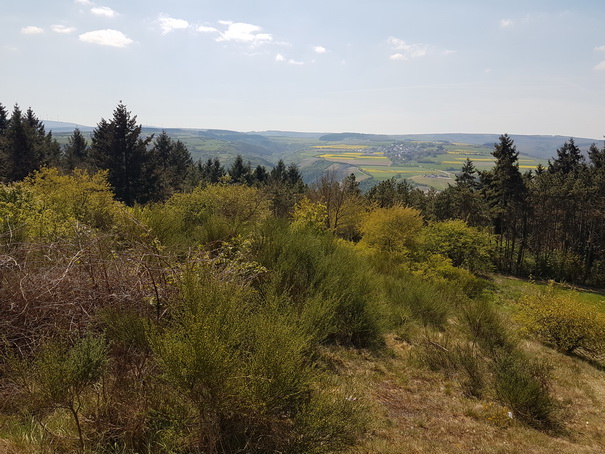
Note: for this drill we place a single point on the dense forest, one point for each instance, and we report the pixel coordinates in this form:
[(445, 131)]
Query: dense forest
[(150, 303)]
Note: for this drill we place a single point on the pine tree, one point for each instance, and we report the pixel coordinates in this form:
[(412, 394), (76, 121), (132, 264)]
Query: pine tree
[(211, 171), (569, 159), (260, 175), (468, 176), (117, 146), (76, 150), (171, 163), (506, 195), (3, 119), (279, 173), (20, 149), (239, 172)]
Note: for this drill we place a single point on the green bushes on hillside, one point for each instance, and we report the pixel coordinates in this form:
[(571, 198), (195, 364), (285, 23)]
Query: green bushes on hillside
[(561, 319)]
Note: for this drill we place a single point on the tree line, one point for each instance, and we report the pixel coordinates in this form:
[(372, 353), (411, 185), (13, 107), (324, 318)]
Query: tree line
[(141, 168), (546, 223)]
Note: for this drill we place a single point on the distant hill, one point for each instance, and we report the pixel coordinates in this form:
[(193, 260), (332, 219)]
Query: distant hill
[(266, 147), (538, 146), (63, 127)]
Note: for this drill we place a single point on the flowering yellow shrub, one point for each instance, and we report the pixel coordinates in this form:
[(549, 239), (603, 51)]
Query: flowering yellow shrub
[(565, 321)]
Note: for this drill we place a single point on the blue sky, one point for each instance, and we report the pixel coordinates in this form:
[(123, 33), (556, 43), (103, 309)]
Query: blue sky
[(375, 66)]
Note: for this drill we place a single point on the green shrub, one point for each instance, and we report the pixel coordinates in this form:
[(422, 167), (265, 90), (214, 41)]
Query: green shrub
[(311, 268), (58, 377), (244, 367), (425, 301), (522, 385), (465, 246), (563, 320), (486, 327), (211, 214)]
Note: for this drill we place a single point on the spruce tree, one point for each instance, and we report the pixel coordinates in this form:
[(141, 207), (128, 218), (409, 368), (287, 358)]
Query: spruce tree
[(76, 150), (239, 172), (20, 148), (119, 147), (3, 119), (569, 159), (506, 194)]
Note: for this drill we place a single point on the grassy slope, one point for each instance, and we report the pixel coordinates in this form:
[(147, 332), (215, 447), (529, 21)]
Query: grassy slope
[(418, 411), (414, 410)]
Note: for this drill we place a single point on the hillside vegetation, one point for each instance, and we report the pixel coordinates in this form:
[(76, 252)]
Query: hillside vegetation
[(238, 310)]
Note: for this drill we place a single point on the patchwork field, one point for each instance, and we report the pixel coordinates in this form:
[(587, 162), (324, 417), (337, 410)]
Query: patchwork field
[(427, 164)]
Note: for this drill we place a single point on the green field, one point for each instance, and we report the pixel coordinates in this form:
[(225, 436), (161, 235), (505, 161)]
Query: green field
[(428, 164)]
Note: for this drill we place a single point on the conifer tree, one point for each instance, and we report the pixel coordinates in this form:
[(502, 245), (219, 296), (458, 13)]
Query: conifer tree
[(569, 159), (506, 194), (171, 163), (3, 119), (20, 150), (119, 147), (76, 150), (211, 171), (239, 172)]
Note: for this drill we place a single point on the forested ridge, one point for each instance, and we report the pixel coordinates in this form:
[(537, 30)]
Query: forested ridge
[(150, 303)]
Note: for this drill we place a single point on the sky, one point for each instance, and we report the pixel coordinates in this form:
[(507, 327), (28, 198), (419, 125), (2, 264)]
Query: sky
[(370, 66)]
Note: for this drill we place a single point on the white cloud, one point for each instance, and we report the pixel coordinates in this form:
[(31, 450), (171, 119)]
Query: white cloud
[(107, 37), (244, 33), (600, 66), (63, 29), (205, 29), (505, 23), (600, 48), (83, 2), (168, 24), (103, 11), (32, 30), (406, 51), (280, 57), (319, 50), (295, 62)]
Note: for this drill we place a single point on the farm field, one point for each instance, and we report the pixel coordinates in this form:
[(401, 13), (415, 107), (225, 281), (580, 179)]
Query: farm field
[(426, 164)]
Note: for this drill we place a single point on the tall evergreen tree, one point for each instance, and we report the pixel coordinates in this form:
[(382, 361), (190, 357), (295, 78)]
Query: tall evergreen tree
[(172, 163), (119, 147), (279, 173), (239, 171), (20, 147), (506, 194), (3, 119), (260, 175), (211, 171), (76, 150), (569, 159)]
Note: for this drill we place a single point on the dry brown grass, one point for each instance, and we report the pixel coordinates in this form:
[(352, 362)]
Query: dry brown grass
[(418, 411)]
